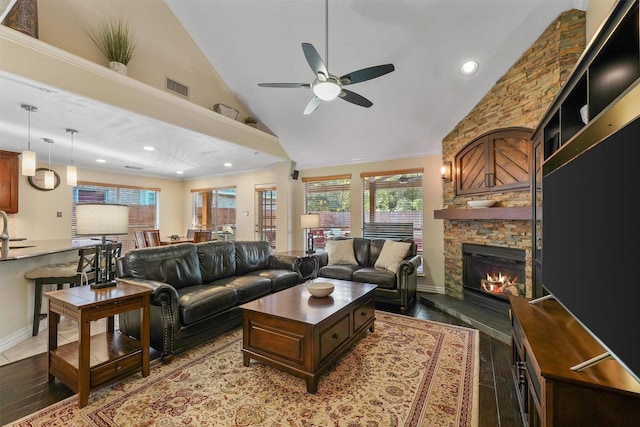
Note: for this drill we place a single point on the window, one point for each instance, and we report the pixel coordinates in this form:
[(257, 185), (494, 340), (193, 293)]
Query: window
[(392, 205), (266, 203), (330, 197), (215, 209), (142, 202)]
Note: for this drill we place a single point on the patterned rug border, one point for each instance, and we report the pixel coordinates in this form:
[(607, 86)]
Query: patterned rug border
[(94, 412)]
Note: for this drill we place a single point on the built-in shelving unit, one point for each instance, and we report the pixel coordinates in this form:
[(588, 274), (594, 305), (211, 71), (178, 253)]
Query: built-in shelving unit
[(606, 74)]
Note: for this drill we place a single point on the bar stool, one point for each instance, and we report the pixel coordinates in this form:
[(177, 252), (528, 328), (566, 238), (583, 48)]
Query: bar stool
[(75, 273)]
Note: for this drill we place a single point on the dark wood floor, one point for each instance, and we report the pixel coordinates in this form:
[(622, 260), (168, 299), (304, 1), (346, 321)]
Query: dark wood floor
[(24, 389)]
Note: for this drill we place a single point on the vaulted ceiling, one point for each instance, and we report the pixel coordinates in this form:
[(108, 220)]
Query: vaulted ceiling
[(255, 41)]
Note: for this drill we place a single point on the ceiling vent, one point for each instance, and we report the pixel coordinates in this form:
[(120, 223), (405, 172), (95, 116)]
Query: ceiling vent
[(178, 88)]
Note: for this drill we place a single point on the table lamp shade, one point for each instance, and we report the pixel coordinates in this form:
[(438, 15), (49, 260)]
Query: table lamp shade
[(102, 219), (310, 221)]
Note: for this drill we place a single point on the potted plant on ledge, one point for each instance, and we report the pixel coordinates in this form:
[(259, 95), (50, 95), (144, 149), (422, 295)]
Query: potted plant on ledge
[(116, 41)]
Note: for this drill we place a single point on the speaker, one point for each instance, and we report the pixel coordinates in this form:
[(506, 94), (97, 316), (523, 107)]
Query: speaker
[(295, 174)]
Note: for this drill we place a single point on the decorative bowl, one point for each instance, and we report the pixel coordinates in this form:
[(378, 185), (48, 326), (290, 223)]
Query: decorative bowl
[(320, 289), (481, 203)]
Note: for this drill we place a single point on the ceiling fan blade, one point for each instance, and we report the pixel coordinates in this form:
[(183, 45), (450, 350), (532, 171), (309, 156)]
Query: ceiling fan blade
[(313, 58), (288, 85), (366, 74), (354, 98), (312, 105)]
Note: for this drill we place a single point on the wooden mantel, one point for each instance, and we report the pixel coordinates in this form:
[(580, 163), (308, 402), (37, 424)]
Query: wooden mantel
[(517, 213)]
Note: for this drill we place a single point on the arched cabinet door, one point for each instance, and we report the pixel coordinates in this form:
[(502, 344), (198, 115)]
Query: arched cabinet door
[(496, 161)]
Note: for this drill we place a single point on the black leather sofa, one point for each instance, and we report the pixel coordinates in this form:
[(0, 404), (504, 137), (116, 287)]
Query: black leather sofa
[(198, 288), (393, 288)]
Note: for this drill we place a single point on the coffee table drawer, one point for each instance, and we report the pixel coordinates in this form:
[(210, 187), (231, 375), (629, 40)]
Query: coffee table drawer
[(363, 314), (333, 336)]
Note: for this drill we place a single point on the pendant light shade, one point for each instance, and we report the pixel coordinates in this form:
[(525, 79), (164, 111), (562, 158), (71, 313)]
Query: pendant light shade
[(28, 163), (72, 171), (49, 180), (28, 156)]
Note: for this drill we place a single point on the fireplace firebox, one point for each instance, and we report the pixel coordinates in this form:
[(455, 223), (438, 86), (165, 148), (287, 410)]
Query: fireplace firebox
[(491, 274)]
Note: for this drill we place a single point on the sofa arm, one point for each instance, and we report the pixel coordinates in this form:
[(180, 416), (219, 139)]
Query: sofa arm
[(407, 279), (284, 262), (323, 258), (410, 265), (165, 297)]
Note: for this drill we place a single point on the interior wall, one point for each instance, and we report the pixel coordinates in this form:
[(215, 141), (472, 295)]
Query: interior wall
[(432, 233), (164, 48), (37, 210)]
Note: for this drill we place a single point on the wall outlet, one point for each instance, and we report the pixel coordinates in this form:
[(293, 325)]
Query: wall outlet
[(59, 214)]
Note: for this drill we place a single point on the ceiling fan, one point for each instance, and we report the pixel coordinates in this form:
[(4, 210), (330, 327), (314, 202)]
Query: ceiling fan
[(327, 86)]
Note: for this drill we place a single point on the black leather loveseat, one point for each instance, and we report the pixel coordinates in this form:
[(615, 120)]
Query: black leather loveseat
[(197, 288), (394, 287)]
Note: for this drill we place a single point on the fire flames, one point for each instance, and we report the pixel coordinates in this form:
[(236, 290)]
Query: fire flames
[(500, 284)]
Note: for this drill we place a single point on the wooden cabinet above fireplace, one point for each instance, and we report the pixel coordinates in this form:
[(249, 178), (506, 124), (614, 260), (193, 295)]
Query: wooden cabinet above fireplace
[(496, 161)]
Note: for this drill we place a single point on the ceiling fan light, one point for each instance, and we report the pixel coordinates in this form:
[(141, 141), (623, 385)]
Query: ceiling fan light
[(327, 91)]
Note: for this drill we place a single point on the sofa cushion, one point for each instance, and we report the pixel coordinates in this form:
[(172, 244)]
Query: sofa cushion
[(202, 301), (249, 287), (217, 260), (252, 256), (343, 272), (382, 277), (392, 255), (176, 265), (280, 279), (341, 252)]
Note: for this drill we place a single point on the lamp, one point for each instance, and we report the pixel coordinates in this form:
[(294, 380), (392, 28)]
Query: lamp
[(104, 219), (445, 171), (28, 156), (310, 221), (72, 171), (328, 89)]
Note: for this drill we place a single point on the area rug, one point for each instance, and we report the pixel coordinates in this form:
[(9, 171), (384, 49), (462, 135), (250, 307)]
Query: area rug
[(408, 372)]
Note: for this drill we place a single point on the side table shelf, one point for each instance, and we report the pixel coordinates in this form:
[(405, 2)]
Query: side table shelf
[(95, 360)]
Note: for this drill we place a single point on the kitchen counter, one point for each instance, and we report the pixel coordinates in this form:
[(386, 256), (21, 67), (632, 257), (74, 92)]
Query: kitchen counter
[(21, 249)]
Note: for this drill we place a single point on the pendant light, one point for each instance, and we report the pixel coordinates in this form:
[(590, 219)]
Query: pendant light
[(49, 177), (28, 156), (72, 171)]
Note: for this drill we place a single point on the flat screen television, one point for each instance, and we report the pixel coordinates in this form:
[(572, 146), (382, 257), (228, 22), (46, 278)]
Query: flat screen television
[(591, 241)]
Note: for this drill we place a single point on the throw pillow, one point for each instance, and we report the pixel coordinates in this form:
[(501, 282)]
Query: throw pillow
[(392, 255), (341, 252)]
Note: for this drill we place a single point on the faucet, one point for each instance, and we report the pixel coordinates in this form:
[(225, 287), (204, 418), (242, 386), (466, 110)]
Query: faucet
[(5, 234)]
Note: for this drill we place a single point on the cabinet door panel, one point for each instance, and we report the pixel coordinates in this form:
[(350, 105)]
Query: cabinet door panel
[(9, 181), (511, 159), (471, 167)]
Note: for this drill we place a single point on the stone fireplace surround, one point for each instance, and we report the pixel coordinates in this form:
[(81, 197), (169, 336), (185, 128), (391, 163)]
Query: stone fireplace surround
[(518, 99)]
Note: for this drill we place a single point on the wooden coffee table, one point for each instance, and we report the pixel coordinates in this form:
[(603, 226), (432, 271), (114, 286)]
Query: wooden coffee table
[(304, 335)]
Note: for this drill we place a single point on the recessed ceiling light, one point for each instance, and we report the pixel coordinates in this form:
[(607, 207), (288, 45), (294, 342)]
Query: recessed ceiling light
[(101, 161), (228, 165), (179, 172), (469, 67), (149, 148)]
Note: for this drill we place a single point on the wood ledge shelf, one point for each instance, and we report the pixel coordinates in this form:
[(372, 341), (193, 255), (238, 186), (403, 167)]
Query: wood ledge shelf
[(518, 213)]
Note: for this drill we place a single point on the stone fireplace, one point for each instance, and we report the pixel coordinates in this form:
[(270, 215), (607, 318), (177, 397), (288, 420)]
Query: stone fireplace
[(491, 274), (519, 98)]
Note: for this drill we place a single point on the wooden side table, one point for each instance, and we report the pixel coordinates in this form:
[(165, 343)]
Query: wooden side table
[(95, 360), (309, 265)]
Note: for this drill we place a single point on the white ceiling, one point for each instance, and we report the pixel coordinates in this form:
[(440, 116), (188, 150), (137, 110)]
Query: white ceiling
[(255, 41)]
